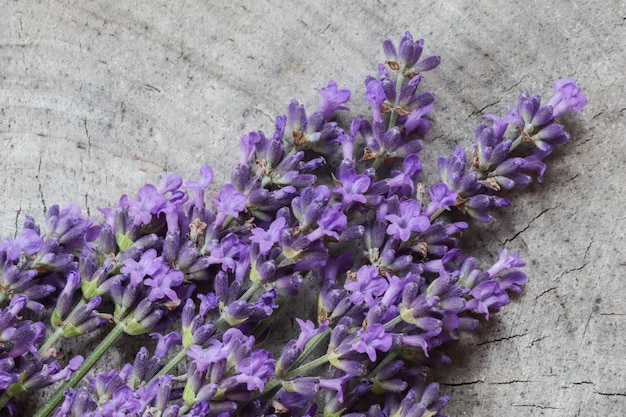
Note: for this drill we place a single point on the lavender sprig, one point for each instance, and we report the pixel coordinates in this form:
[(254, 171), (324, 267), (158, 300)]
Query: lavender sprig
[(381, 247)]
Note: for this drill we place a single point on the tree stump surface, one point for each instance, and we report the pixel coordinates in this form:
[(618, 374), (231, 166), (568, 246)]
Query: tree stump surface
[(98, 98)]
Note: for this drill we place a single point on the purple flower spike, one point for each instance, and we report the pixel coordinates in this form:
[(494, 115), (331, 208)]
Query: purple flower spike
[(70, 227), (567, 96), (64, 301), (332, 99), (408, 54), (409, 51), (18, 336), (550, 136), (84, 320), (39, 375), (453, 173), (9, 315)]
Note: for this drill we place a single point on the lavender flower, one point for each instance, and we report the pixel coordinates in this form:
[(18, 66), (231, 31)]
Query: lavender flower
[(267, 238), (352, 188), (408, 55), (28, 242), (229, 203), (333, 99), (567, 96), (150, 202), (199, 187), (373, 339), (408, 220), (70, 227), (394, 284)]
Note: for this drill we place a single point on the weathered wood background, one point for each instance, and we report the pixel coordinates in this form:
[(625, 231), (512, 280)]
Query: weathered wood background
[(99, 97)]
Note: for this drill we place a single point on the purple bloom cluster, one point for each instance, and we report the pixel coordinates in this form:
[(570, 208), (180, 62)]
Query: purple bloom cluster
[(498, 162), (393, 284), (39, 271)]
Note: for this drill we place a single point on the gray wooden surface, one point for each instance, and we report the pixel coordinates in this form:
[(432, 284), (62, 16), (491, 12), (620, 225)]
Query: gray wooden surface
[(98, 97)]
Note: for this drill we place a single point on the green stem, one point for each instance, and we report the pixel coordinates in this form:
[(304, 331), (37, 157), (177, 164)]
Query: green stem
[(393, 118), (516, 142), (313, 343), (436, 214), (390, 356), (227, 222), (293, 149), (54, 337), (181, 355), (379, 159), (80, 373), (170, 365), (246, 296), (266, 322), (59, 332), (307, 367), (324, 359), (301, 370), (394, 114), (183, 409), (392, 323), (269, 388), (4, 399)]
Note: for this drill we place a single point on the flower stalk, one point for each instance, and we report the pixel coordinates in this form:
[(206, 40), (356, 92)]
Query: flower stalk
[(378, 251)]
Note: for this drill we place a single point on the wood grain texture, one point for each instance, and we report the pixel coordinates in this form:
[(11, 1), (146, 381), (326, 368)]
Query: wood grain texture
[(97, 98)]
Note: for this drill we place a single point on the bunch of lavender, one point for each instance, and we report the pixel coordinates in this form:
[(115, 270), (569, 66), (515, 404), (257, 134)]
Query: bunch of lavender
[(207, 277)]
